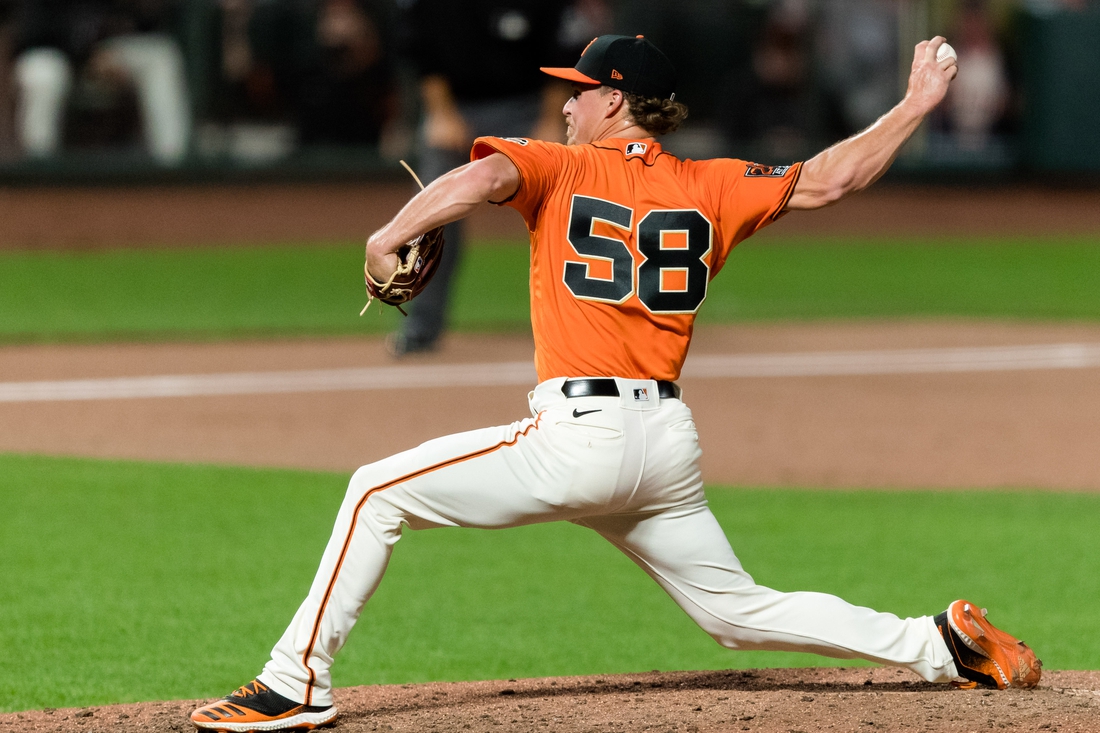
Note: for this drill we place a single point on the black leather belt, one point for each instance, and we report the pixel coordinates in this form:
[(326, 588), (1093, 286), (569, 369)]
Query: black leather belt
[(604, 387)]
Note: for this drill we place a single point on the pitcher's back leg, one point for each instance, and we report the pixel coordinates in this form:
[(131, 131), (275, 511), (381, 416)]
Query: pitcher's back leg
[(685, 550)]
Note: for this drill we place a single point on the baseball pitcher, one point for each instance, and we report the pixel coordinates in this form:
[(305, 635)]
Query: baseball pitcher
[(625, 239)]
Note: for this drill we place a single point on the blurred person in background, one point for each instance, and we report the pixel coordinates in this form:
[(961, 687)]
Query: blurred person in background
[(63, 44), (715, 41), (770, 111), (478, 67), (857, 60), (322, 67), (978, 99)]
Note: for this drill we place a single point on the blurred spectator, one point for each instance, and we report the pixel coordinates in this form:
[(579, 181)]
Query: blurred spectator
[(582, 21), (319, 69), (978, 97), (772, 113), (711, 43), (66, 45), (857, 56), (478, 64)]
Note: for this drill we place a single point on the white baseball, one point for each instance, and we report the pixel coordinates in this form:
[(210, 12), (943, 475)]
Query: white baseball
[(945, 52)]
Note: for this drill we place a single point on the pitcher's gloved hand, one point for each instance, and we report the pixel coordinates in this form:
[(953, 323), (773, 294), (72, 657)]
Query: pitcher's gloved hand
[(419, 259)]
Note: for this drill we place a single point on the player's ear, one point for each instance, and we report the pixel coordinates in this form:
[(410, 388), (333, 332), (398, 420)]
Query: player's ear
[(615, 102)]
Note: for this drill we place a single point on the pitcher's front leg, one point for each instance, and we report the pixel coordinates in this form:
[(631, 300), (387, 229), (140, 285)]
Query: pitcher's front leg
[(478, 479)]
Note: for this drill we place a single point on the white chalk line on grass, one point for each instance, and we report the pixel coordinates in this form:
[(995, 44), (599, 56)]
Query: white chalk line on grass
[(493, 374)]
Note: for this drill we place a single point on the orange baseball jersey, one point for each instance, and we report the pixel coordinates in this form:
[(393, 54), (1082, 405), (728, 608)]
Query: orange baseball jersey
[(625, 239)]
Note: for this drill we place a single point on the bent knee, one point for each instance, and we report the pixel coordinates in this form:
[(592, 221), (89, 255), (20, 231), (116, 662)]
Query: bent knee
[(367, 482), (368, 498)]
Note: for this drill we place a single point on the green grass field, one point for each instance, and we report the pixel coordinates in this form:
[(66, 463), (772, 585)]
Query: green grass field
[(137, 581), (212, 293), (134, 581)]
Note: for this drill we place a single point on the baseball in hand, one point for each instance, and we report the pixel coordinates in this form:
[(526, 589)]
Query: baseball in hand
[(945, 52)]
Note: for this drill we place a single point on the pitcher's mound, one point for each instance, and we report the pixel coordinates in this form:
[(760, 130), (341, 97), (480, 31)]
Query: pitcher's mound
[(765, 700)]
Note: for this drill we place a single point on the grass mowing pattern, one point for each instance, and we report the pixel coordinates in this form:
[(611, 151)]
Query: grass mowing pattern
[(317, 289), (125, 581)]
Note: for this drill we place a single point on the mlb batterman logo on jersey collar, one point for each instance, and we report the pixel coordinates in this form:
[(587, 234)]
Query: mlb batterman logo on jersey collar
[(636, 148)]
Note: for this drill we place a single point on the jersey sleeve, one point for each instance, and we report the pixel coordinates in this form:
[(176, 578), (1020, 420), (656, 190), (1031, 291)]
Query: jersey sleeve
[(539, 163), (753, 195)]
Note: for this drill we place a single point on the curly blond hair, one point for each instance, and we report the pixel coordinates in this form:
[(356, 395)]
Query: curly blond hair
[(655, 115)]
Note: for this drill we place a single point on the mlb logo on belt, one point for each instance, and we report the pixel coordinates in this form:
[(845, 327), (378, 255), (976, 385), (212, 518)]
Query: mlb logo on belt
[(636, 148), (641, 395)]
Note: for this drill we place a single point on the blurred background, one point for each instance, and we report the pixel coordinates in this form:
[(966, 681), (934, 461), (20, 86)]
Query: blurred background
[(136, 90)]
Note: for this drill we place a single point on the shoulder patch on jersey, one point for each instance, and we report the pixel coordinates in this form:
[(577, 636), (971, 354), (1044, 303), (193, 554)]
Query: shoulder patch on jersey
[(636, 148), (755, 170), (516, 140)]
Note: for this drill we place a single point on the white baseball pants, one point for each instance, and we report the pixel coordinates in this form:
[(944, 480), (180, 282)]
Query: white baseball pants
[(627, 468)]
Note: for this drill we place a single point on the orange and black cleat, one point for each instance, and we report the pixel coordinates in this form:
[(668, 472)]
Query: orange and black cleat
[(985, 655), (254, 707)]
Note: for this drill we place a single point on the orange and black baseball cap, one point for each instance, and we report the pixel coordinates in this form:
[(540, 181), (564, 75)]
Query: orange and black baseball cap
[(629, 63)]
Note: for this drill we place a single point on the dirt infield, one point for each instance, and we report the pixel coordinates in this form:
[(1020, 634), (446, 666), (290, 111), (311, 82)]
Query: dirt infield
[(764, 701), (1036, 429)]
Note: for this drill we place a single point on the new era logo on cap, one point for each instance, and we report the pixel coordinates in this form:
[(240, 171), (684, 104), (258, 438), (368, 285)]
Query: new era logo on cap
[(629, 63)]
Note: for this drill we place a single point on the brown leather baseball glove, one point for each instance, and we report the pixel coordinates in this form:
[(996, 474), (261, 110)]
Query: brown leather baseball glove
[(419, 261)]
